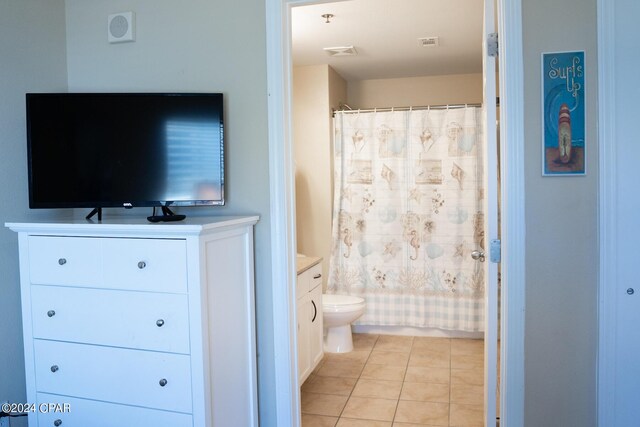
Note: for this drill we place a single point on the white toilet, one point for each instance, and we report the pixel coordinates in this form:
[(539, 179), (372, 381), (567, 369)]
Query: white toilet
[(338, 312)]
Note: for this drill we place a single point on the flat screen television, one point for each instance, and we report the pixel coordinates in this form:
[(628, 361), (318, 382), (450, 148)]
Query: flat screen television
[(99, 150)]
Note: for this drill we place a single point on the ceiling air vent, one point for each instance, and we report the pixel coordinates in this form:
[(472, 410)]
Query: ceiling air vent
[(341, 51), (428, 41)]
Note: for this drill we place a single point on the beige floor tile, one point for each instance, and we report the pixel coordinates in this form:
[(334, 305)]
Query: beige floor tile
[(467, 346), (436, 358), (431, 343), (315, 370), (389, 358), (467, 394), (467, 376), (344, 368), (416, 374), (360, 356), (330, 385), (318, 366), (466, 415), (397, 381), (383, 372), (440, 350), (377, 388), (322, 404), (369, 408), (425, 392), (467, 361), (318, 421), (349, 422), (364, 341), (430, 413), (394, 343), (310, 378), (435, 344)]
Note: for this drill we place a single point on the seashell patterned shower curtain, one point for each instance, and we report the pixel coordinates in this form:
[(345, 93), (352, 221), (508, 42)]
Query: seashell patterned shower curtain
[(407, 213)]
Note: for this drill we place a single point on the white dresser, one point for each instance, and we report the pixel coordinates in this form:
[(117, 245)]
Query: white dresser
[(138, 324)]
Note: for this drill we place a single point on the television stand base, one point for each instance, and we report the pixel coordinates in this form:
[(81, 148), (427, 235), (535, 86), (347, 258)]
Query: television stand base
[(95, 211), (167, 216)]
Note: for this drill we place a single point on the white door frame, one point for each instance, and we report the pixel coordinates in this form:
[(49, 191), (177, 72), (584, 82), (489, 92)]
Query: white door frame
[(490, 204), (605, 395), (282, 196)]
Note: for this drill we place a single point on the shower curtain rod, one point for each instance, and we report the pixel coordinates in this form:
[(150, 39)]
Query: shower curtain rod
[(426, 107)]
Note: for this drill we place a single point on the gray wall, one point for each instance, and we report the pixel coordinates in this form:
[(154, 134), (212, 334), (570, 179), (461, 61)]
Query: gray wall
[(32, 58), (561, 243), (206, 46)]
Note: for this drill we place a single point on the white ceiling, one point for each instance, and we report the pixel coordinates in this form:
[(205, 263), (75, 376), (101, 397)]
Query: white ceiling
[(385, 34)]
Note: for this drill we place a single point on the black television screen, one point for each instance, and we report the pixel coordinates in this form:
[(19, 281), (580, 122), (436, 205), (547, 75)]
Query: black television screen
[(95, 150)]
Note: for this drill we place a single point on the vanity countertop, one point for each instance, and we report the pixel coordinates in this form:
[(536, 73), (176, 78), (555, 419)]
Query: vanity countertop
[(303, 263)]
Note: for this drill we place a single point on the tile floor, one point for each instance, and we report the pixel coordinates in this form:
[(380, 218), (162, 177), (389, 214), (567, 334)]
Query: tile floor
[(397, 381)]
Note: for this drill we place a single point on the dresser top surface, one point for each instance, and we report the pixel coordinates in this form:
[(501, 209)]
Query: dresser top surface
[(191, 225)]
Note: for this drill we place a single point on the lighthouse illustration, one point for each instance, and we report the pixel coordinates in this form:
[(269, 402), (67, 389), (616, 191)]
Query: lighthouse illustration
[(564, 134)]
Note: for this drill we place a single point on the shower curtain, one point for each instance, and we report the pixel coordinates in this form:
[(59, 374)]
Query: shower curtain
[(407, 213)]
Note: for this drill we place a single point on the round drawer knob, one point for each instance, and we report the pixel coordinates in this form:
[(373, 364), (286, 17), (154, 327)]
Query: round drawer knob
[(54, 368), (162, 382), (159, 323), (51, 313), (142, 265), (57, 422), (630, 291), (62, 261)]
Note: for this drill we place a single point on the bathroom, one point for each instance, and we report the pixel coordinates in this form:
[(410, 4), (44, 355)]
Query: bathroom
[(396, 373)]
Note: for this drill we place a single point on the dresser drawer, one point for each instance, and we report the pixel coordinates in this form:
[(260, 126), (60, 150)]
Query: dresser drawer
[(141, 320), (158, 265), (114, 375), (85, 413), (74, 261)]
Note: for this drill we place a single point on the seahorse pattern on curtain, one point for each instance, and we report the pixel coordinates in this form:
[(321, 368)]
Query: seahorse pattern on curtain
[(408, 211)]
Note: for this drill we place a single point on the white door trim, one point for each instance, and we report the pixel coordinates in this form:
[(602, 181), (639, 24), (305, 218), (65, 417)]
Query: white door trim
[(490, 206), (278, 16), (607, 213), (512, 225), (282, 191)]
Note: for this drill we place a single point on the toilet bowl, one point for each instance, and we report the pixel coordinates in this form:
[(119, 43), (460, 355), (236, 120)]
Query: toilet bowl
[(338, 312)]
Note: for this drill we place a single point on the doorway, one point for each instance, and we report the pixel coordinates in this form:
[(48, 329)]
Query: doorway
[(432, 147), (279, 14)]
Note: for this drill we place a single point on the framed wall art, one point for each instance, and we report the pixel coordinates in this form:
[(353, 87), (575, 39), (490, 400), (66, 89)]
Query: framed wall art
[(563, 114)]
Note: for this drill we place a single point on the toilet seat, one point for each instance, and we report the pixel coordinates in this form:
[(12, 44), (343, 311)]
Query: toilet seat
[(341, 303)]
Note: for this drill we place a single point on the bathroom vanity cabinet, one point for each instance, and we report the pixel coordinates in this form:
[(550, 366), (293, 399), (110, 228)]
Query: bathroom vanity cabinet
[(138, 324), (309, 315)]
